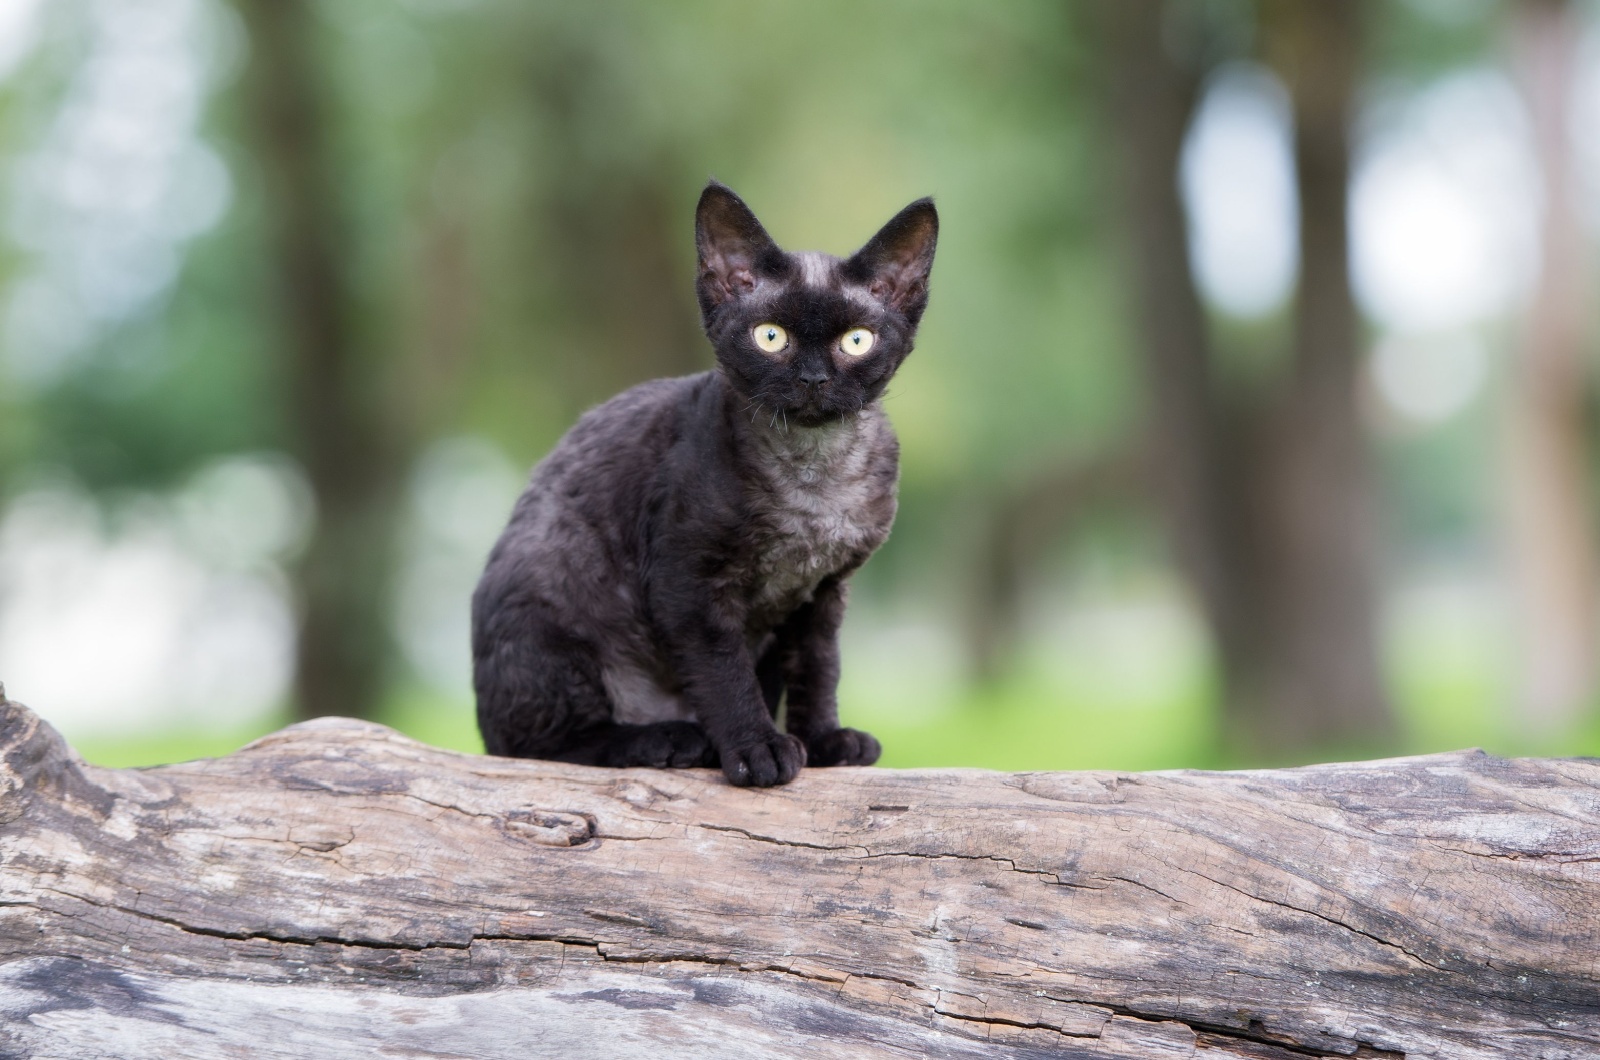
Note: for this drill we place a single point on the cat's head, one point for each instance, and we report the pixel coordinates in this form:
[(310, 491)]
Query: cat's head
[(808, 334)]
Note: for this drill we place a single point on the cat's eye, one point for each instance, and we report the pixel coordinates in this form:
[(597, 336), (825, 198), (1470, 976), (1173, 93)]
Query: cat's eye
[(857, 341), (770, 338)]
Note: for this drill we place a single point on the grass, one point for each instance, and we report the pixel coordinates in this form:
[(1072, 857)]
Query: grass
[(1009, 727), (1022, 723), (1082, 706), (169, 745)]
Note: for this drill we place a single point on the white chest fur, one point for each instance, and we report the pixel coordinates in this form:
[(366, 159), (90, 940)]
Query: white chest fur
[(820, 507)]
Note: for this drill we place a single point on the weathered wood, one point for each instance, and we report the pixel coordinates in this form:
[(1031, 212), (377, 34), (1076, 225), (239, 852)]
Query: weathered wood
[(338, 890)]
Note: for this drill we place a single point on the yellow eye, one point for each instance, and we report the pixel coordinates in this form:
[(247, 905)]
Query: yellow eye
[(857, 341), (770, 338)]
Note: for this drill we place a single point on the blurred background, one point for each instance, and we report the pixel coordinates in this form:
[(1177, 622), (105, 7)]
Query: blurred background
[(1252, 420)]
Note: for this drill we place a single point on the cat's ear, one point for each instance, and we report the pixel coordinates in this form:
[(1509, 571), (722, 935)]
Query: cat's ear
[(895, 263), (731, 244)]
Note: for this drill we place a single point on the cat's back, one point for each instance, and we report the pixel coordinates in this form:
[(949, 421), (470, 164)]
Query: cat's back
[(606, 462), (618, 438), (583, 498)]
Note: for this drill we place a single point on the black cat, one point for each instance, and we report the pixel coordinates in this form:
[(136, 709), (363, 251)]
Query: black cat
[(678, 562)]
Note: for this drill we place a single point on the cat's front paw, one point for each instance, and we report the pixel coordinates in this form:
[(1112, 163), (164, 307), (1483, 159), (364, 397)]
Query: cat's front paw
[(843, 747), (773, 759)]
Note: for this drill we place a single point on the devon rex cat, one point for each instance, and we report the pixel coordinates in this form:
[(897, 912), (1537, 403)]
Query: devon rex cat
[(678, 562)]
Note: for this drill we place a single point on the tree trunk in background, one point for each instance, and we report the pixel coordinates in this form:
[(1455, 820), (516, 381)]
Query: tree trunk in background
[(332, 401), (1268, 502), (1550, 515), (1319, 570), (1020, 523), (617, 228), (1151, 99), (619, 255)]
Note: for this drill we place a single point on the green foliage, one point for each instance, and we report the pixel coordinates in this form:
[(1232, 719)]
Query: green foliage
[(516, 180), (162, 393), (1447, 688), (1416, 39)]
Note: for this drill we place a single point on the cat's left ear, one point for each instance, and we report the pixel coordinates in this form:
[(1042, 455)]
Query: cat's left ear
[(895, 263)]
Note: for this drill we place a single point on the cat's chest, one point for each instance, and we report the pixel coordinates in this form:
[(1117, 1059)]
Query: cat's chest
[(809, 524)]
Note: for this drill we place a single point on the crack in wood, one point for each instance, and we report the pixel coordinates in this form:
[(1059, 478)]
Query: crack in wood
[(869, 854), (1320, 916), (1000, 1021)]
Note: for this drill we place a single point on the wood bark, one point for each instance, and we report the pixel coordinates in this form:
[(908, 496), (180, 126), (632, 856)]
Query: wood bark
[(338, 890)]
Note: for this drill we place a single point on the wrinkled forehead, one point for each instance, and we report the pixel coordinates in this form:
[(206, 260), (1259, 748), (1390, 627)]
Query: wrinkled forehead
[(816, 283), (815, 269)]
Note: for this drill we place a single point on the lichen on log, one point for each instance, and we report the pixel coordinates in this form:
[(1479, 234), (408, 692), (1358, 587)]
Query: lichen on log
[(336, 889)]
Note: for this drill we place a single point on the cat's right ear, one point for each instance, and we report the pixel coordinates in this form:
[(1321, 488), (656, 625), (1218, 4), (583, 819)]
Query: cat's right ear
[(731, 244)]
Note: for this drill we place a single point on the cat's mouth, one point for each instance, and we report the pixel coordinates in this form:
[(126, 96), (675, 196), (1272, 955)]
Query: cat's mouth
[(800, 407), (814, 409)]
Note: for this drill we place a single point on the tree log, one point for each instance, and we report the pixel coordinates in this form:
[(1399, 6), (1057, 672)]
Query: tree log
[(339, 890)]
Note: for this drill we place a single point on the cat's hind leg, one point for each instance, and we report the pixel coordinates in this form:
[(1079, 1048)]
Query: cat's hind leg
[(536, 687), (541, 695)]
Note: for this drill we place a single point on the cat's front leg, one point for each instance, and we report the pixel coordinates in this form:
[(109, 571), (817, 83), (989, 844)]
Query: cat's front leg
[(707, 643), (809, 642)]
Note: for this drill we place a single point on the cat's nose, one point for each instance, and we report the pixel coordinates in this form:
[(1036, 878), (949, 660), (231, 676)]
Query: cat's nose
[(813, 375)]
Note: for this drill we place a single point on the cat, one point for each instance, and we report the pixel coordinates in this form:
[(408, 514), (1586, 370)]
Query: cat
[(678, 563)]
